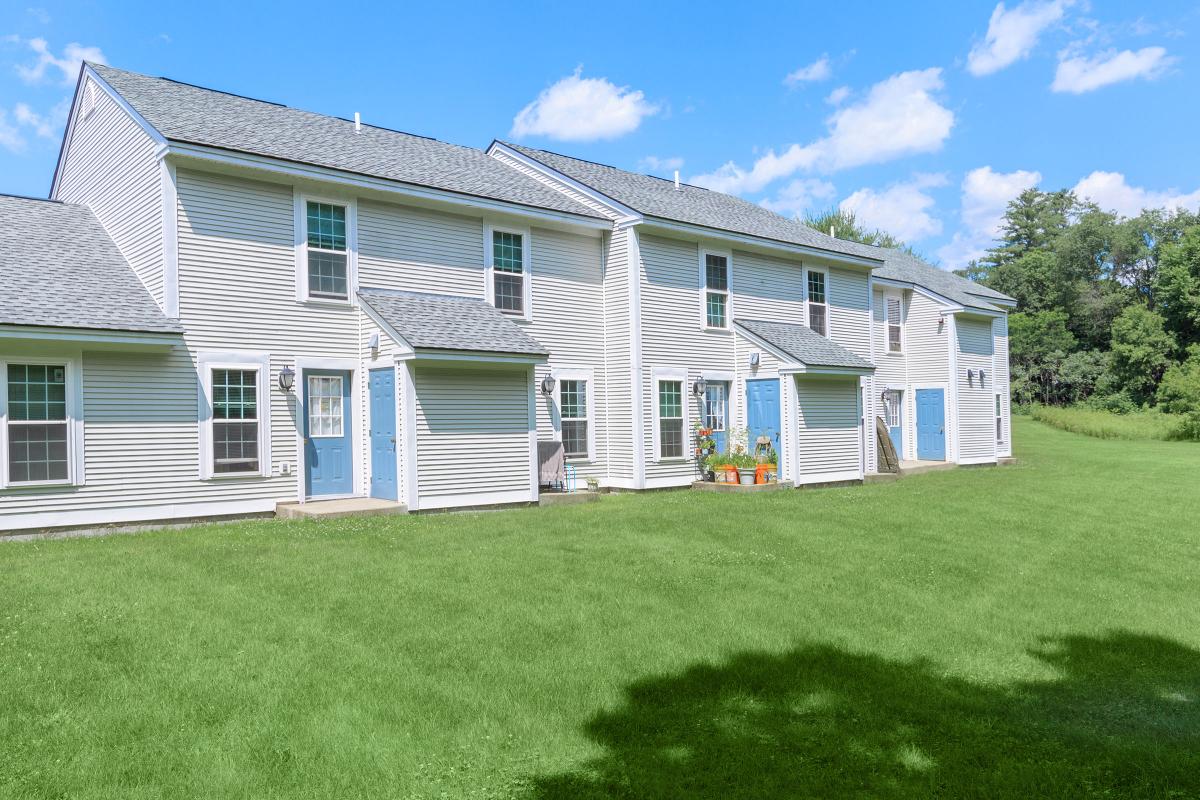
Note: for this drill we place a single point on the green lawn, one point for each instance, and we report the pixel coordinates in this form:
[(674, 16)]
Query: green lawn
[(1026, 631)]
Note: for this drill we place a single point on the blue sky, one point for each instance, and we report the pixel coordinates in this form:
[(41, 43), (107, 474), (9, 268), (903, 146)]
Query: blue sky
[(923, 120)]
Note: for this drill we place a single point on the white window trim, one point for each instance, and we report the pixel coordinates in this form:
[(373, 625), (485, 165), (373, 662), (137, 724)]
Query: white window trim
[(489, 254), (728, 291), (259, 362), (998, 415), (828, 316), (73, 364), (661, 374), (588, 375), (300, 212), (899, 297)]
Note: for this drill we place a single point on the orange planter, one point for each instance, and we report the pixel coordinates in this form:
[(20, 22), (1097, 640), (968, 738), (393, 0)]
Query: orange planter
[(731, 474), (760, 472)]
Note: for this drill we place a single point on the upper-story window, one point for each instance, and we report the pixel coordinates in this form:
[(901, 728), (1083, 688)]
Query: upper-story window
[(895, 325), (328, 262), (716, 290), (508, 271), (818, 305)]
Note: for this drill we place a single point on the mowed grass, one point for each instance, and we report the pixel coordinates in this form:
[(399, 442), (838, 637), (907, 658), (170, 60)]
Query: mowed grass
[(1027, 631), (1148, 424)]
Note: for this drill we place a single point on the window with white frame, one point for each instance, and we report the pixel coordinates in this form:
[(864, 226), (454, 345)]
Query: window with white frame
[(326, 415), (714, 406), (38, 424), (509, 271), (894, 310), (818, 306), (670, 418), (891, 408), (327, 250), (235, 417), (573, 415), (716, 290), (999, 419)]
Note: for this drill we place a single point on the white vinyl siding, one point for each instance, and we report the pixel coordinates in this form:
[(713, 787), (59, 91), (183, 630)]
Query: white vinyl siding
[(1002, 382), (976, 400), (403, 247), (617, 339), (111, 167), (472, 429), (769, 288), (827, 430)]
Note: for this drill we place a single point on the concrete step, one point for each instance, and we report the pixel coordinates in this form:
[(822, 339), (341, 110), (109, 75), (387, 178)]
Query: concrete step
[(567, 498), (735, 488), (336, 509)]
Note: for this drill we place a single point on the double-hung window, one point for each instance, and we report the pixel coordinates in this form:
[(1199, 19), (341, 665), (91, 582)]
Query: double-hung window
[(573, 412), (670, 419), (235, 421), (327, 250), (818, 307), (509, 282), (895, 330), (38, 425), (716, 290), (235, 415)]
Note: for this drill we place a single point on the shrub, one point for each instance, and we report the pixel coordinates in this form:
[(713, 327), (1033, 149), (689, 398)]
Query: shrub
[(1118, 402), (1179, 391)]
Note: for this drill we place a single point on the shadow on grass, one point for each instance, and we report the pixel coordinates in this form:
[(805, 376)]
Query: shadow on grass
[(1121, 720)]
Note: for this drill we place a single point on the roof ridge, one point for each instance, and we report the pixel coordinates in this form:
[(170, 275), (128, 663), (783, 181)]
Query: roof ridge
[(607, 166)]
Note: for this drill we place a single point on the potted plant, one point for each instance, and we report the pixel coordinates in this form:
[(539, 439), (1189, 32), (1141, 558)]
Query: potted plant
[(746, 465), (593, 484), (768, 467)]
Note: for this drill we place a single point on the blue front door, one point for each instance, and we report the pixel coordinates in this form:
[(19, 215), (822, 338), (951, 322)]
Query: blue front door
[(931, 424), (328, 456), (383, 434), (762, 411)]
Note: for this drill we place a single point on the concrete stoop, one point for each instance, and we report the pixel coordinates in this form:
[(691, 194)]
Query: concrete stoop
[(909, 468), (567, 498), (738, 488), (336, 509)]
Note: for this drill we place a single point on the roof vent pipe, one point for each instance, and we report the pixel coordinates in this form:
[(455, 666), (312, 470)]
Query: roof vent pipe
[(832, 235), (677, 180), (357, 122)]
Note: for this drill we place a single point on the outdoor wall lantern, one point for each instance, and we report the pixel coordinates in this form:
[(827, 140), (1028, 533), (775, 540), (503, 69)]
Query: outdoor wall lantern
[(548, 385), (981, 377), (754, 359), (287, 379), (698, 387)]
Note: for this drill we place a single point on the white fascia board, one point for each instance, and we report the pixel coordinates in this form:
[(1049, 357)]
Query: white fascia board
[(977, 312), (994, 301), (625, 215), (842, 259), (296, 169), (809, 369), (90, 336), (85, 73)]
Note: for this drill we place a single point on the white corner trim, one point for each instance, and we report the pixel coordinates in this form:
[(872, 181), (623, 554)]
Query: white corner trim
[(408, 423), (531, 420), (170, 238), (633, 254)]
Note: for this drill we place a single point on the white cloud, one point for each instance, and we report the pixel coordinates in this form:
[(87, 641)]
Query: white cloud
[(985, 196), (819, 70), (44, 125), (1112, 192), (656, 164), (1078, 74), (10, 137), (898, 117), (799, 196), (838, 96), (1012, 34), (578, 109), (39, 14), (902, 209), (67, 66)]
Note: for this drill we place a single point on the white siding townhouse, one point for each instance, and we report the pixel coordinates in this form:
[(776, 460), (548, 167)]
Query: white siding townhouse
[(228, 304)]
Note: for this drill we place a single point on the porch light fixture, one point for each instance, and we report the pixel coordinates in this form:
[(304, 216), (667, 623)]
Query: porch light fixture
[(698, 387), (981, 377), (287, 379), (754, 359), (548, 385)]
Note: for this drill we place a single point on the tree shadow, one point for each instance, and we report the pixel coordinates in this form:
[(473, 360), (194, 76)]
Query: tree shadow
[(1121, 720)]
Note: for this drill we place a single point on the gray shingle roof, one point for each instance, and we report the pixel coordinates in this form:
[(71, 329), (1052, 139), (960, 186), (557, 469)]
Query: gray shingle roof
[(60, 269), (655, 197), (803, 345), (445, 322), (902, 266), (185, 113)]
